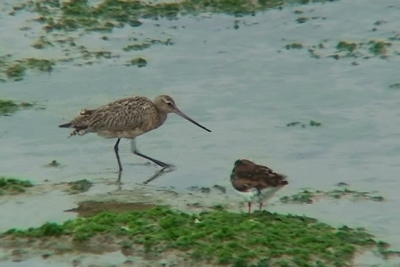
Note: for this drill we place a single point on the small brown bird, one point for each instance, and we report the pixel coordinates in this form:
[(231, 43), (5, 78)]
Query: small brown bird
[(256, 182), (127, 118)]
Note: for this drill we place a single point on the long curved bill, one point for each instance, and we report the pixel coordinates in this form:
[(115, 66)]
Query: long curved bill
[(183, 115)]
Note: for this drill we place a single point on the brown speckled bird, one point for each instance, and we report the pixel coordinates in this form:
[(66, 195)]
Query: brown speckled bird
[(256, 182), (127, 118)]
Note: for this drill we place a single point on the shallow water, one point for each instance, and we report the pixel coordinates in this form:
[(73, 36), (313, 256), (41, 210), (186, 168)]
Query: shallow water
[(244, 86)]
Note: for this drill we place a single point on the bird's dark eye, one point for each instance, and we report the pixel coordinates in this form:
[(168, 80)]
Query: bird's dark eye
[(170, 104)]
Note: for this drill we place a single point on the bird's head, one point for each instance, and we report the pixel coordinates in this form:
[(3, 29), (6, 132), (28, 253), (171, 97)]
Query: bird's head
[(166, 104)]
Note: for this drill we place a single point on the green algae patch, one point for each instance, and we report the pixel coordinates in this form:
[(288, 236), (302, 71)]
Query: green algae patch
[(79, 186), (216, 237), (357, 49), (379, 48), (39, 64), (108, 14), (65, 22), (312, 123), (146, 44), (302, 19), (12, 186), (136, 47), (7, 107), (139, 62), (315, 123), (16, 69), (395, 86), (310, 196), (294, 45), (42, 43), (90, 208), (346, 46), (53, 164)]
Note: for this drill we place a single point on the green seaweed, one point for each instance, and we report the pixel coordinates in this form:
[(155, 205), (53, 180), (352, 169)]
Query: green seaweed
[(302, 19), (106, 15), (310, 196), (139, 62), (15, 71), (346, 46), (294, 45), (315, 123), (355, 49), (146, 44), (136, 47), (79, 186), (304, 196), (75, 14), (291, 124), (13, 185), (8, 107), (219, 237), (53, 163), (312, 123), (42, 43), (378, 48), (39, 64), (395, 86)]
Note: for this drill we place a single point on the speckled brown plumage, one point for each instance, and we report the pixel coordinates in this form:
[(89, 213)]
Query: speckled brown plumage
[(126, 118), (247, 175), (257, 180)]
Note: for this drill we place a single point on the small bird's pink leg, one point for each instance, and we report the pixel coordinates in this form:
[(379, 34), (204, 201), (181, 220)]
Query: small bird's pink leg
[(249, 207)]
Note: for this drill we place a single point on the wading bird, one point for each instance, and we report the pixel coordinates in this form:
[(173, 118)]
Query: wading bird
[(127, 118), (256, 182)]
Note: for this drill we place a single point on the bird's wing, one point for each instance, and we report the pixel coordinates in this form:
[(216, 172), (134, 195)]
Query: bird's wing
[(128, 113), (267, 177), (258, 176), (243, 184)]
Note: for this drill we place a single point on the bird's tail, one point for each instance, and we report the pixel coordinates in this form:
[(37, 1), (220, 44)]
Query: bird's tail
[(66, 125)]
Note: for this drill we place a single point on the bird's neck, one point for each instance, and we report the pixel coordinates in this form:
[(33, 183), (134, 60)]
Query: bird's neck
[(162, 117)]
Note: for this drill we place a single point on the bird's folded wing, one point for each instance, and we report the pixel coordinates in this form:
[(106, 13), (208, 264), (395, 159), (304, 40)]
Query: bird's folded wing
[(129, 113)]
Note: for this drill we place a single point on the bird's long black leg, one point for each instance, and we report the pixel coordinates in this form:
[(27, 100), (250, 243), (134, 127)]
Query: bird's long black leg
[(136, 152), (117, 154)]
